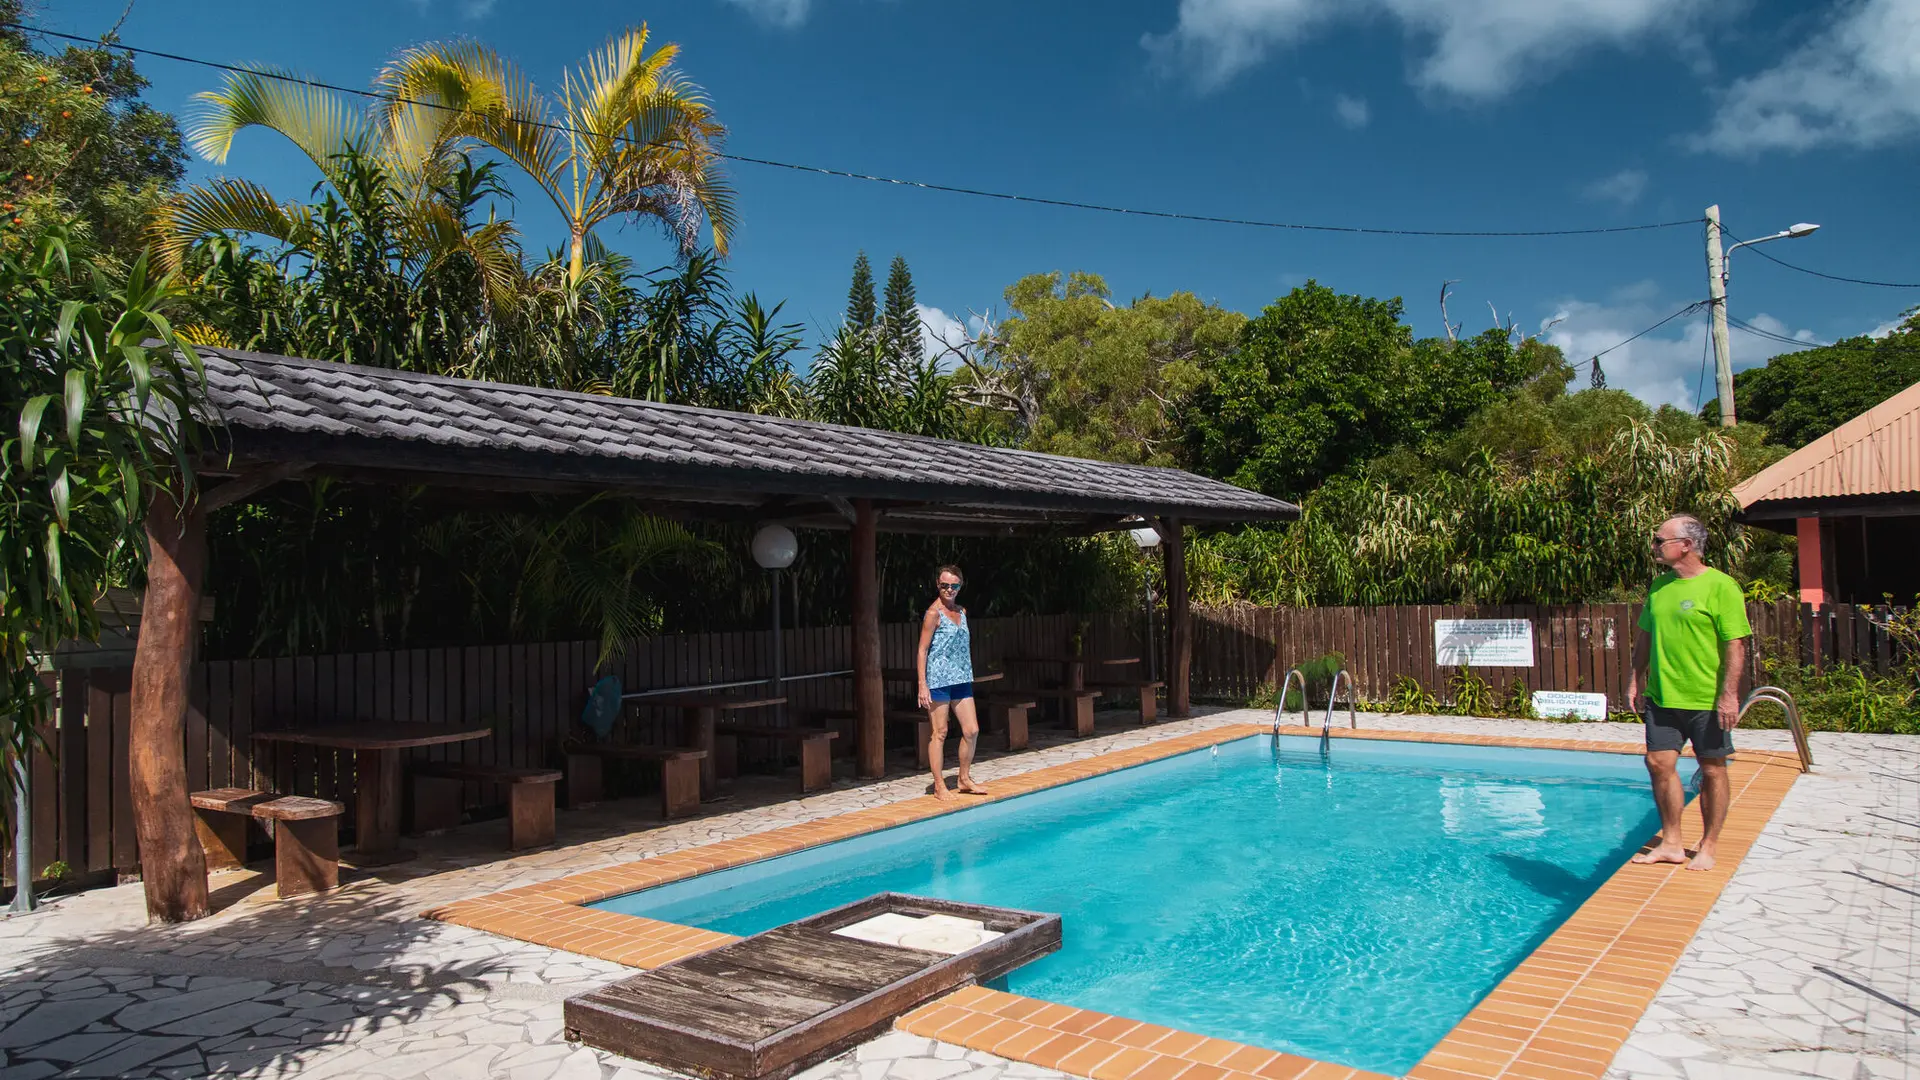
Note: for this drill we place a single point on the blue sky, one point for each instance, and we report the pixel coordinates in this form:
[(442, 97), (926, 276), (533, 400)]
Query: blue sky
[(1422, 114)]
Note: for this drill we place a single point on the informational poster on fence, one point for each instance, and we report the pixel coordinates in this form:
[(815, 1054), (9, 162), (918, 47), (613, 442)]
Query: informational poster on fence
[(1560, 704), (1483, 642)]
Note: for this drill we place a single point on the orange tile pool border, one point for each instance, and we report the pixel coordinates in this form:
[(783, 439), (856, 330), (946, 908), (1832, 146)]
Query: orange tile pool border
[(1561, 1015)]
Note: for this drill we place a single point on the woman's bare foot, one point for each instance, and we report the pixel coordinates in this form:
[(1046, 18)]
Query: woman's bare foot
[(1662, 853), (968, 787)]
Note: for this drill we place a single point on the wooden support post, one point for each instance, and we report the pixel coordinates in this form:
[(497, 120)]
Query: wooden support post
[(869, 695), (172, 867), (1179, 624)]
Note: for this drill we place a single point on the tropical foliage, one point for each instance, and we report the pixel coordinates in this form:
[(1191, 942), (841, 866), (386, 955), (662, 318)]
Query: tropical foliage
[(93, 416)]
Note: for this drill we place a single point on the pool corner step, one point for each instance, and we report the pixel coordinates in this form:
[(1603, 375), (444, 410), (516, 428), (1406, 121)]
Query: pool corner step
[(767, 1006)]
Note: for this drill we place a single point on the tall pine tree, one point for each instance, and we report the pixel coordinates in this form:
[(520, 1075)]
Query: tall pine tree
[(861, 310), (902, 317)]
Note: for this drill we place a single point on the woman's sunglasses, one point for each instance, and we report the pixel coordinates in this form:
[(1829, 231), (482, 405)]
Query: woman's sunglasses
[(946, 586)]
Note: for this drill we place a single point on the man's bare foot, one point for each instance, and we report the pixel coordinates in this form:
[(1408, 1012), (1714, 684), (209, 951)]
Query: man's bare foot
[(940, 791), (968, 787), (1662, 853), (1702, 860)]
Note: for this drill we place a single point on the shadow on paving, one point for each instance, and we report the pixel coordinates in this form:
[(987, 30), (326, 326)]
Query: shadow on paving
[(250, 991)]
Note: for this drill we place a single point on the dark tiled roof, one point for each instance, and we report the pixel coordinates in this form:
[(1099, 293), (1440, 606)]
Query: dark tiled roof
[(280, 409)]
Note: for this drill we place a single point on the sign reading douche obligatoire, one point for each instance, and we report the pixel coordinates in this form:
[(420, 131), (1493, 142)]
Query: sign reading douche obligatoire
[(1483, 642)]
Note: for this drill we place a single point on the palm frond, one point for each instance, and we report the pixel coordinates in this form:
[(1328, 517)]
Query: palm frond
[(316, 120), (220, 207)]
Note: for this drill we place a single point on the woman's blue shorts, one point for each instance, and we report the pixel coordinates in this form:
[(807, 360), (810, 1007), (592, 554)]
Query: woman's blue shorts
[(956, 692)]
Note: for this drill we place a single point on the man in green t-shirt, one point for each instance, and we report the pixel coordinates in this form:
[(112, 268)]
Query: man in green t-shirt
[(1687, 658)]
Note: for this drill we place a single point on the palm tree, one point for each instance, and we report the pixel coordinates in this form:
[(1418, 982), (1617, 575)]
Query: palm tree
[(405, 159), (628, 136)]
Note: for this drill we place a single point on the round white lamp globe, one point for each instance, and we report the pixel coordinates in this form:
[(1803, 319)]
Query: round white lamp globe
[(1146, 538), (774, 547)]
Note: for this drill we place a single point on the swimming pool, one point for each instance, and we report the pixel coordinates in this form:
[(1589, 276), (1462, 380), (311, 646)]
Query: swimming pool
[(1350, 908)]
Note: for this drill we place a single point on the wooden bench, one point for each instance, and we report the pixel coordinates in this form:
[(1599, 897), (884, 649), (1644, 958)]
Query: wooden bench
[(1076, 706), (679, 773), (306, 835), (815, 745), (437, 802), (1148, 689), (1006, 715)]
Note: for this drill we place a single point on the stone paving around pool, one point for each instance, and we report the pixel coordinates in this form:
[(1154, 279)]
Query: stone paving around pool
[(1805, 967)]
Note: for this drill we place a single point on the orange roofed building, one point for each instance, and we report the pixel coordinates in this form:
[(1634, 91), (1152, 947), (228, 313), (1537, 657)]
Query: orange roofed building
[(1852, 496)]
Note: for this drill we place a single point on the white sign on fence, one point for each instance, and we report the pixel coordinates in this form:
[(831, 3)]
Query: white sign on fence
[(1483, 642), (1555, 704)]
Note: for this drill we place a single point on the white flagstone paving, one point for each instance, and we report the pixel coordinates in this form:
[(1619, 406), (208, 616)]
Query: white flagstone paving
[(1804, 969)]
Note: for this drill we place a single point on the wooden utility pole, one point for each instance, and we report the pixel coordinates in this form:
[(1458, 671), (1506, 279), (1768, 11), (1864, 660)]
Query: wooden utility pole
[(869, 695), (1179, 623), (172, 866), (1717, 300)]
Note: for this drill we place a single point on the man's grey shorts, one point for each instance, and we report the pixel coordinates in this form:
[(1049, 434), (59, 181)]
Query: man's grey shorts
[(1671, 729)]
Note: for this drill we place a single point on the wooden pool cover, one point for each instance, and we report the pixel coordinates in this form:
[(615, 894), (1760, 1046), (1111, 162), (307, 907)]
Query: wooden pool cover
[(767, 1006)]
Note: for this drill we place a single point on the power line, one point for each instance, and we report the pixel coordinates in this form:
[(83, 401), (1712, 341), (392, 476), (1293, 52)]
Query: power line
[(1688, 310), (871, 178), (1830, 277)]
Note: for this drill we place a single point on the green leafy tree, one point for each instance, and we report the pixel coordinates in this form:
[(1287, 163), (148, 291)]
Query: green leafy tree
[(78, 146), (1800, 396), (900, 319), (1322, 381), (92, 414), (862, 312), (1073, 373)]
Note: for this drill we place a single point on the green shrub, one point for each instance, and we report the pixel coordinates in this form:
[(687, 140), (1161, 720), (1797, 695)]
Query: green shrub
[(1519, 701), (1472, 695), (1319, 673), (1410, 696)]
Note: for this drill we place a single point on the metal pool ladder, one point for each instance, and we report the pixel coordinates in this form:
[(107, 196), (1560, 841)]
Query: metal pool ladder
[(1333, 695), (1783, 699)]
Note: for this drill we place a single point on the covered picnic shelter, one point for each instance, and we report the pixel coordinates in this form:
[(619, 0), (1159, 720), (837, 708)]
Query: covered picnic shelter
[(274, 418)]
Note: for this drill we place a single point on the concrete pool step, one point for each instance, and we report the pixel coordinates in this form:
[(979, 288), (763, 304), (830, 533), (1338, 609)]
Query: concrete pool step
[(767, 1006)]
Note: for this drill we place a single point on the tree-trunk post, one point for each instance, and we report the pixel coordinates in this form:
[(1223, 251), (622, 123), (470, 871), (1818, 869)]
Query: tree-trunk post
[(869, 696), (1179, 624), (171, 863)]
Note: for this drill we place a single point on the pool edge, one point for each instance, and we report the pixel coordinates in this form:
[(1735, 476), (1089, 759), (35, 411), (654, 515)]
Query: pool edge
[(1562, 1014)]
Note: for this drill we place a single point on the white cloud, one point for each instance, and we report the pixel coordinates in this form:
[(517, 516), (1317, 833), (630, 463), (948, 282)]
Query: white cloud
[(1353, 112), (783, 13), (1472, 49), (1855, 83), (1623, 188), (1887, 327), (937, 331), (1672, 365), (477, 9)]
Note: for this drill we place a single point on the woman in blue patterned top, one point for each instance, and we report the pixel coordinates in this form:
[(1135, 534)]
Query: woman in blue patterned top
[(946, 681)]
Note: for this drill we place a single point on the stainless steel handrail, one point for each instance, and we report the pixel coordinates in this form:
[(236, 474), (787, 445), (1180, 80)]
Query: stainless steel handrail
[(1280, 703), (1785, 700), (1353, 717)]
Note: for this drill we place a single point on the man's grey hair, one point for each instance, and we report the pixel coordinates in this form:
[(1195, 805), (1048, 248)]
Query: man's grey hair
[(1693, 530)]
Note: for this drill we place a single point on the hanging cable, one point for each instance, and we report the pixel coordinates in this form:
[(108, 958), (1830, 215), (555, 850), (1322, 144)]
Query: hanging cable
[(872, 178)]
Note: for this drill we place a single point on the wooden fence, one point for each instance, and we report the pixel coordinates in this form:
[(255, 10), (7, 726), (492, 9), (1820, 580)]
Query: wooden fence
[(1587, 647), (529, 694)]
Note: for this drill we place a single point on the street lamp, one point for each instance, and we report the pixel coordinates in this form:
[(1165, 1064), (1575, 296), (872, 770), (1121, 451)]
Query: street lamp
[(1147, 539), (774, 548), (1717, 300)]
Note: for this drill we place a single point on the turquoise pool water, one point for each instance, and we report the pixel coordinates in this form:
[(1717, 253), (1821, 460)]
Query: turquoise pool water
[(1351, 908)]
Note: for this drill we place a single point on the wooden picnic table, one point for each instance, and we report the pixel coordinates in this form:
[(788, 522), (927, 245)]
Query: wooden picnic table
[(1075, 666), (376, 746), (701, 711)]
